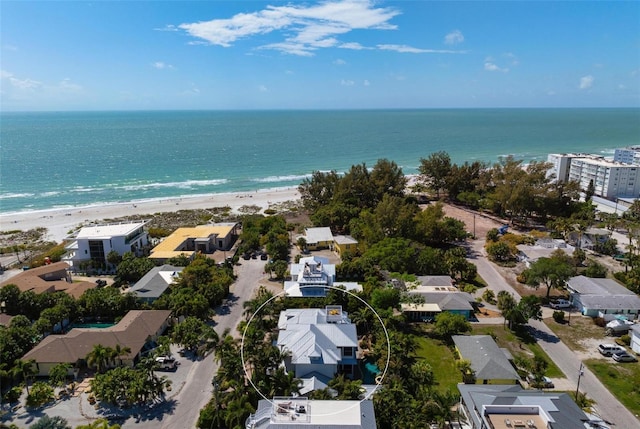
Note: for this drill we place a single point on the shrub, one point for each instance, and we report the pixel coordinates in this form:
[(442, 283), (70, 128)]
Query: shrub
[(626, 339), (558, 316), (599, 321), (40, 394), (489, 296), (13, 394)]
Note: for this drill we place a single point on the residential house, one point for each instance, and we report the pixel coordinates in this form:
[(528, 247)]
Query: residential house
[(511, 407), (48, 279), (590, 238), (204, 239), (136, 330), (155, 283), (322, 342), (602, 298), (490, 364), (635, 338), (343, 244), (319, 238), (439, 295), (313, 276), (543, 248), (94, 243), (301, 413)]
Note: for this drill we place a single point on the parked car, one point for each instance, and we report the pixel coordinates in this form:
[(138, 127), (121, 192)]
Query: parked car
[(610, 349), (624, 357), (561, 303), (264, 257), (546, 382), (166, 363)]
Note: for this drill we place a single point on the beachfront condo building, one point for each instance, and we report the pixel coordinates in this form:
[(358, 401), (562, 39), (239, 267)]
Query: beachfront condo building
[(627, 155), (94, 243), (611, 179)]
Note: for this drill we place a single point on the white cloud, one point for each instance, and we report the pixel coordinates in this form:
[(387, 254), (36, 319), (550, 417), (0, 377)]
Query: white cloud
[(586, 82), (309, 27), (10, 47), (24, 83), (344, 82), (262, 88), (366, 82), (412, 50), (512, 58), (5, 74), (161, 65), (339, 62), (66, 84), (489, 66), (353, 45), (454, 38)]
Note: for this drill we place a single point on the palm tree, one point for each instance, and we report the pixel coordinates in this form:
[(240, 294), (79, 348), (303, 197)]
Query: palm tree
[(99, 357), (237, 411), (468, 374), (24, 369), (117, 352)]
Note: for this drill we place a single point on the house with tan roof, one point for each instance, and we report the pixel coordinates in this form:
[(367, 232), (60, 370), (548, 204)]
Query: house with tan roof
[(136, 330), (48, 279), (204, 239)]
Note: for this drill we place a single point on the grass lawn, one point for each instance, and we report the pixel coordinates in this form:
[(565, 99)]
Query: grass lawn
[(517, 346), (442, 360), (622, 380), (581, 327)]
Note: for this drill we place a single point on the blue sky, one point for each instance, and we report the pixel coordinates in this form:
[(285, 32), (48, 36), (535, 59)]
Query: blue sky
[(122, 55)]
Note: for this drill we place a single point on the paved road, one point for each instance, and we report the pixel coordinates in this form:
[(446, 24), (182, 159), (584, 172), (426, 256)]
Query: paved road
[(198, 389), (607, 406)]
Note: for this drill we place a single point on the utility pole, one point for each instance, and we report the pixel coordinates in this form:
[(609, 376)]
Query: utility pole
[(580, 374)]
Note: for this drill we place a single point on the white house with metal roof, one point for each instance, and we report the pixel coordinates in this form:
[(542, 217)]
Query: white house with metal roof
[(601, 297), (319, 238), (321, 342), (312, 275), (94, 243), (302, 413)]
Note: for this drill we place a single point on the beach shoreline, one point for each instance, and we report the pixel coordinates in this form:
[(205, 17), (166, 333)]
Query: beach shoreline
[(59, 221)]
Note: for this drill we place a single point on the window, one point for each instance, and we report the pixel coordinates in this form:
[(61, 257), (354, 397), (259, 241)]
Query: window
[(347, 351)]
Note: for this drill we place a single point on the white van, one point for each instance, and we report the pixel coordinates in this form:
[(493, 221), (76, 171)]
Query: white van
[(609, 349)]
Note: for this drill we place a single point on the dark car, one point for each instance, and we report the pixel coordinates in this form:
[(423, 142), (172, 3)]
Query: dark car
[(264, 257)]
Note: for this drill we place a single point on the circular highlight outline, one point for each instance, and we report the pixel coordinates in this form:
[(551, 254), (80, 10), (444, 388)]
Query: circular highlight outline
[(384, 328)]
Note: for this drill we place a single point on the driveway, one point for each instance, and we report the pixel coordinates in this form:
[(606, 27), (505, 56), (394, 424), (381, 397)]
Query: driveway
[(191, 382), (607, 406)]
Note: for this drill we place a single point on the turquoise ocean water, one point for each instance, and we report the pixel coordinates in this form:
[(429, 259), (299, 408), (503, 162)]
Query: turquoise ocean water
[(62, 159)]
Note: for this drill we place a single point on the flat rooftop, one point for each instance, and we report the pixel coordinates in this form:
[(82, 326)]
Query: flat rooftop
[(167, 248), (516, 421), (107, 231)]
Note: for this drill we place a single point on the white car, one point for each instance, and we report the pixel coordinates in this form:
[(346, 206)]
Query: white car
[(561, 303)]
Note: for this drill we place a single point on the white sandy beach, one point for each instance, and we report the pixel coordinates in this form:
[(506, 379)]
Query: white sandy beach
[(60, 221)]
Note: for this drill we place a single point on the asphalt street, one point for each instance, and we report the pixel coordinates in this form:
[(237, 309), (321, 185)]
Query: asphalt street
[(607, 406)]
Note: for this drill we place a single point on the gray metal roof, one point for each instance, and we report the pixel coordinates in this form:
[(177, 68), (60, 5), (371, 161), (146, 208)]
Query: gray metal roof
[(447, 300), (611, 302), (155, 282), (591, 286), (487, 360), (563, 412)]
